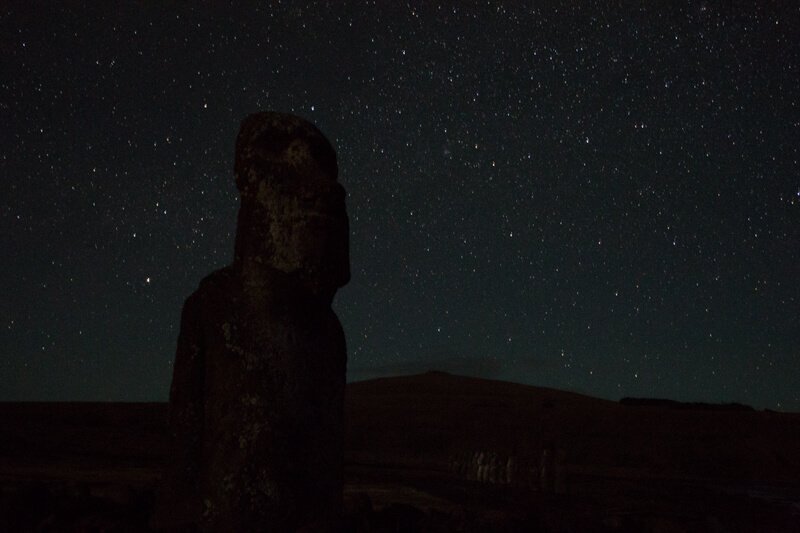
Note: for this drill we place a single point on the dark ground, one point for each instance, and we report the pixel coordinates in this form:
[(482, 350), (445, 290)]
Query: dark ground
[(414, 449)]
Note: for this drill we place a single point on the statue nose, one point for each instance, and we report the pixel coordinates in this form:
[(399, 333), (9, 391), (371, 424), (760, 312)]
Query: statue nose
[(328, 202)]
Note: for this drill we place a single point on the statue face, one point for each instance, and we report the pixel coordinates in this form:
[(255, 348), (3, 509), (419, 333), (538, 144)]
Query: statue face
[(293, 208), (309, 232)]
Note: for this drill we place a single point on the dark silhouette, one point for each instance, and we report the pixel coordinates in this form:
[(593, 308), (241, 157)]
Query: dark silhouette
[(432, 453), (256, 403)]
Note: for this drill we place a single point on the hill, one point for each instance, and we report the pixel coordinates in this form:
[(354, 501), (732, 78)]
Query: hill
[(434, 417), (438, 452)]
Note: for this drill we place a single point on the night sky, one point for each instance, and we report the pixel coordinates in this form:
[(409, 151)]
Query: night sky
[(604, 200)]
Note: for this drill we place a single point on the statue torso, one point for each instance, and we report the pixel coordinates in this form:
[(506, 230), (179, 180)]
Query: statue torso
[(268, 361)]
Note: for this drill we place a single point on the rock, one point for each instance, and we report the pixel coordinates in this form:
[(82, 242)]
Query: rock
[(256, 402)]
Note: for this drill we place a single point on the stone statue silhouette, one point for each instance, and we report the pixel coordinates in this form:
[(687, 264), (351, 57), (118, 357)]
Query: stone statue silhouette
[(256, 402)]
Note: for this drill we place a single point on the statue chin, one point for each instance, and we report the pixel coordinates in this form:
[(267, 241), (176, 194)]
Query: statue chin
[(318, 251), (322, 276)]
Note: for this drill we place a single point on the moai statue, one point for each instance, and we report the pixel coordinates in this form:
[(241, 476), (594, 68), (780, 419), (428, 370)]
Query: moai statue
[(463, 466), (256, 403), (481, 472), (532, 473), (472, 471), (511, 470), (560, 472), (546, 470), (491, 470)]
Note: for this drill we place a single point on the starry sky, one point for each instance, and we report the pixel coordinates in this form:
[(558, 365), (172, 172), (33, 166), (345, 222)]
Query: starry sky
[(604, 199)]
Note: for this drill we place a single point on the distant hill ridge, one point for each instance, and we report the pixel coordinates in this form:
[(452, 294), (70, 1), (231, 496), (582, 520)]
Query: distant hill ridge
[(694, 406), (427, 422)]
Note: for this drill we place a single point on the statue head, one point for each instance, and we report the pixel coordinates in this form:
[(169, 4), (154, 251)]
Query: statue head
[(292, 216)]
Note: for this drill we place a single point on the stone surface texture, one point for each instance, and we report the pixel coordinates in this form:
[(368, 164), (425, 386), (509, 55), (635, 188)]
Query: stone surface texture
[(256, 402)]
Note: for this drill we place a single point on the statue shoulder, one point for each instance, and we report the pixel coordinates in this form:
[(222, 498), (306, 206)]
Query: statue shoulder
[(220, 284), (223, 280)]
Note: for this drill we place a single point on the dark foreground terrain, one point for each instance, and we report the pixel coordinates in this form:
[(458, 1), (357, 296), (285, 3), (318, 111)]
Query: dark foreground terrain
[(437, 452)]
